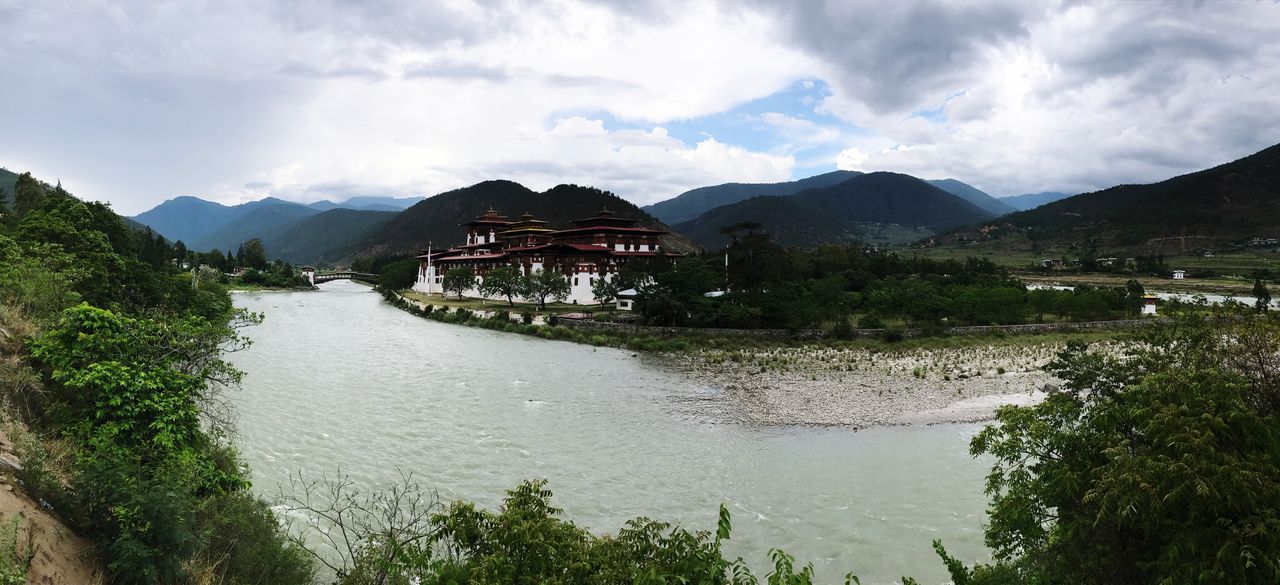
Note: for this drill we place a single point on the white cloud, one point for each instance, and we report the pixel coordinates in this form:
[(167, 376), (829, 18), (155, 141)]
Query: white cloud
[(135, 102), (851, 159)]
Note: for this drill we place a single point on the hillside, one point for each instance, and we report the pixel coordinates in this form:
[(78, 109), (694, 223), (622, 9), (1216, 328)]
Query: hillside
[(975, 196), (1033, 200), (7, 180), (437, 220), (833, 214), (691, 204), (256, 221), (324, 238), (187, 218), (1228, 203)]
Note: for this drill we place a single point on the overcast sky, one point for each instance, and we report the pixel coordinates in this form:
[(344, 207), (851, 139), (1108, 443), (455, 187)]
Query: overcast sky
[(137, 102)]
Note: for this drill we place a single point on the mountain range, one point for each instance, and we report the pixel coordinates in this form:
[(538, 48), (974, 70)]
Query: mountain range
[(695, 202), (319, 233), (841, 212), (1229, 203), (437, 220)]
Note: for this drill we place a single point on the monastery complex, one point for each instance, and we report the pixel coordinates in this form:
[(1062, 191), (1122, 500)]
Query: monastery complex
[(595, 247)]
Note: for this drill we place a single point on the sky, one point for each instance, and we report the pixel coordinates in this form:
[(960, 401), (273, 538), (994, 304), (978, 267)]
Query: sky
[(134, 102)]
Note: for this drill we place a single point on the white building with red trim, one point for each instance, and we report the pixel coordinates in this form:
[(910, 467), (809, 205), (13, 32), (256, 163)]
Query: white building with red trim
[(595, 247)]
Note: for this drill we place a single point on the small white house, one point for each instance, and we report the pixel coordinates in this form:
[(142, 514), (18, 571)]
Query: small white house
[(1179, 274), (626, 300)]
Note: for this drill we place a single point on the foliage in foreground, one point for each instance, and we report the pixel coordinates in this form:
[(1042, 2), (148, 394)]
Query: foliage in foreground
[(403, 536), (111, 374), (1159, 466)]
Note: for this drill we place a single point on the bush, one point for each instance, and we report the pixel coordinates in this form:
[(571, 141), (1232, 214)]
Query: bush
[(892, 335), (842, 329), (244, 544), (870, 321), (526, 317)]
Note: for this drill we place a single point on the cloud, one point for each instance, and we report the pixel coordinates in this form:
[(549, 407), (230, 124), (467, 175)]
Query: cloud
[(135, 102), (1074, 97)]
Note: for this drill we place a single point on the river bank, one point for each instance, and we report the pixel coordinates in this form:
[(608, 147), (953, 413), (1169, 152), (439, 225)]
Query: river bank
[(861, 387)]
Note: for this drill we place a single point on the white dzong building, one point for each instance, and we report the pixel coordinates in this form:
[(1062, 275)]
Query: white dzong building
[(596, 247)]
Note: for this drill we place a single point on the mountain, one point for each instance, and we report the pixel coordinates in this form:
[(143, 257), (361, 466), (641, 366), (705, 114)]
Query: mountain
[(974, 195), (1228, 203), (368, 203), (437, 220), (256, 221), (691, 204), (203, 225), (324, 238), (1033, 200), (833, 214)]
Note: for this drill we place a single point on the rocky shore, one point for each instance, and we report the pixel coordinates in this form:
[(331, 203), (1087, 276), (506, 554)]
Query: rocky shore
[(857, 387)]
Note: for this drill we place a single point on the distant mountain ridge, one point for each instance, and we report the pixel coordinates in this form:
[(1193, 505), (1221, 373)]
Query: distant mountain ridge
[(833, 214), (695, 202), (1232, 202), (437, 220), (974, 195), (1033, 200)]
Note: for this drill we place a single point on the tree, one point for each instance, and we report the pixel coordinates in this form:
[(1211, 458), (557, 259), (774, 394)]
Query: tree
[(502, 282), (27, 194), (1159, 466), (398, 275), (1133, 297), (179, 252), (252, 255), (605, 290), (458, 280), (544, 284), (1262, 296)]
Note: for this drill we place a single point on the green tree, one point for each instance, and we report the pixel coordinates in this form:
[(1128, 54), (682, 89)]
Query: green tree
[(1159, 466), (1262, 296), (252, 255), (398, 275), (27, 194), (605, 290), (458, 281), (504, 281), (544, 284), (1133, 297)]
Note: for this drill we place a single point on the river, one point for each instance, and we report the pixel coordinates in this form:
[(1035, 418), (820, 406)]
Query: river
[(338, 379)]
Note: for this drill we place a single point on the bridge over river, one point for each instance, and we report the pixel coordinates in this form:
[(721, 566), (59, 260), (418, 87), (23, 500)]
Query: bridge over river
[(323, 277)]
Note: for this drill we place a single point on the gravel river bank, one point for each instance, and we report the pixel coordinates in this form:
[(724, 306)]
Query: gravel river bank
[(858, 387)]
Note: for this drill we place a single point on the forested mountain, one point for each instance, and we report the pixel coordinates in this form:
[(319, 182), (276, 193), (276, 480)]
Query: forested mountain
[(257, 221), (437, 220), (1033, 200), (974, 195), (1227, 203), (832, 214), (691, 204), (197, 222), (324, 238)]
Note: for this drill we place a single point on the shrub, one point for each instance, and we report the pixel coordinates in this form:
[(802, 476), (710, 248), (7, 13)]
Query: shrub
[(892, 335), (871, 321), (526, 317), (842, 329)]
